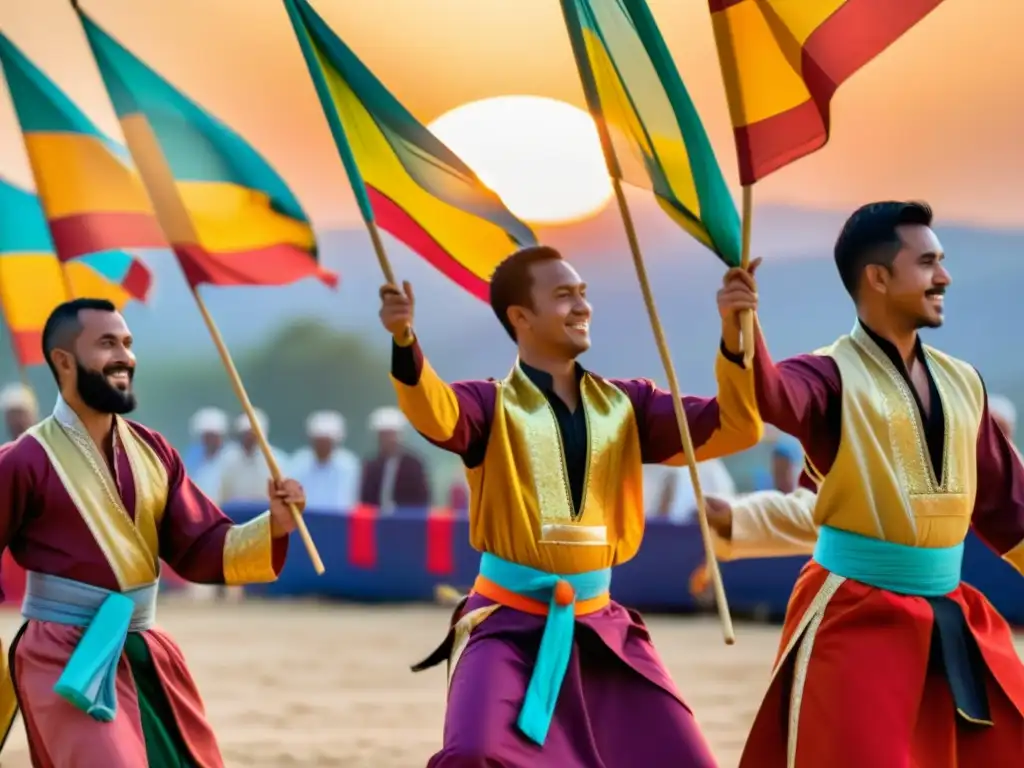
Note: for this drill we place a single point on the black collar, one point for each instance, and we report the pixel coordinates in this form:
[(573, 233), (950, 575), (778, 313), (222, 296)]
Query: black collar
[(543, 380), (890, 349)]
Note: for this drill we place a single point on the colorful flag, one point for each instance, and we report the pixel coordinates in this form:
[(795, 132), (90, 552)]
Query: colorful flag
[(783, 60), (92, 197), (404, 178), (655, 139), (33, 281), (230, 218)]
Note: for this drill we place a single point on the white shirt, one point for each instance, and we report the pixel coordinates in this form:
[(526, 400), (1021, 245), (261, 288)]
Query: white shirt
[(244, 476), (715, 480), (331, 486), (207, 476)]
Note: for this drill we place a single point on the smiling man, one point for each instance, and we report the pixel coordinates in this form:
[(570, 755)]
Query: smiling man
[(89, 504), (545, 669), (887, 659)]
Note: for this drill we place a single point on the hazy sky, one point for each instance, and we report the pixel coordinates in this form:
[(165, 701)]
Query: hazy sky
[(938, 116)]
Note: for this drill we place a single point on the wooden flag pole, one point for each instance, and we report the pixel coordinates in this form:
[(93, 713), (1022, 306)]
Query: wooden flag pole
[(257, 429), (174, 217), (747, 316), (677, 404)]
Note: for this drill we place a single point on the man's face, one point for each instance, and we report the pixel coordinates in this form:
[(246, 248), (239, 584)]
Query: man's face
[(916, 286), (389, 441), (559, 320), (784, 473), (322, 447), (247, 439), (102, 365), (212, 442), (18, 421)]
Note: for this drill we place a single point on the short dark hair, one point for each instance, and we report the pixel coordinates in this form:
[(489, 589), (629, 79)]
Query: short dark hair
[(870, 237), (63, 326), (512, 283)]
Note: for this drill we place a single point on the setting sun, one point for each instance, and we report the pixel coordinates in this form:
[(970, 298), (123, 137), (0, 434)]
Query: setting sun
[(542, 156)]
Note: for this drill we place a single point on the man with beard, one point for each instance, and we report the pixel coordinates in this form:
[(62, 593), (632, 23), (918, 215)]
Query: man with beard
[(90, 503), (554, 459), (886, 658)]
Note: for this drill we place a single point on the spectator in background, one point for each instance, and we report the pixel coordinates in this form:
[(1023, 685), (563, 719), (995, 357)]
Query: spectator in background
[(784, 467), (244, 472), (328, 472), (1004, 413), (209, 428), (21, 410), (395, 477), (676, 499)]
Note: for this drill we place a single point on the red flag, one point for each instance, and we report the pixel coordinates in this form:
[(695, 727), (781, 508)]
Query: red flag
[(362, 536), (440, 547)]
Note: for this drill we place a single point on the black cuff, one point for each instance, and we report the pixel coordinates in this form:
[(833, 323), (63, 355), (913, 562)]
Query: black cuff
[(731, 357), (405, 365)]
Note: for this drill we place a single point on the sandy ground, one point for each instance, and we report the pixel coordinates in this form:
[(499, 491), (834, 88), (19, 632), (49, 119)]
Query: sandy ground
[(326, 685)]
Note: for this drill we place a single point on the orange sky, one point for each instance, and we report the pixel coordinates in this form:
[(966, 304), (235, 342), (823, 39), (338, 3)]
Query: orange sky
[(938, 116)]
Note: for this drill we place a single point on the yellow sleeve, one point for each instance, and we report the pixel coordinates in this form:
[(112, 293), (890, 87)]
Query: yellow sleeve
[(771, 524), (430, 404), (249, 553), (740, 425)]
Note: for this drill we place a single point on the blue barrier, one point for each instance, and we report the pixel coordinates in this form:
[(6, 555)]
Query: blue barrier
[(658, 578)]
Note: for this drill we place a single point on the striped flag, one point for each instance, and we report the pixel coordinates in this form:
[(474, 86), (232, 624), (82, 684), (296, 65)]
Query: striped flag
[(783, 60), (404, 178), (33, 281), (656, 136), (92, 197), (230, 218)]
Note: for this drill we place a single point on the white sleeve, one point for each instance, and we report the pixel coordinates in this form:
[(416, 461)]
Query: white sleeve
[(771, 524)]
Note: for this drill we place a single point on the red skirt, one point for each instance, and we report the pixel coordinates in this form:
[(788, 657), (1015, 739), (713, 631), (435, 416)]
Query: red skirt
[(857, 683)]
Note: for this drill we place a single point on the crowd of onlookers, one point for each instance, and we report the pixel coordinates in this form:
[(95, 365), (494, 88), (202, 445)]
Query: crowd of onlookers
[(225, 461)]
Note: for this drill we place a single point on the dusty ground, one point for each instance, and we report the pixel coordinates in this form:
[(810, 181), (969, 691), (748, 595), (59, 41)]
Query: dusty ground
[(327, 685)]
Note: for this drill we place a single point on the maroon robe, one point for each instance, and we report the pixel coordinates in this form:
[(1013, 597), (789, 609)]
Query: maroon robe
[(45, 532)]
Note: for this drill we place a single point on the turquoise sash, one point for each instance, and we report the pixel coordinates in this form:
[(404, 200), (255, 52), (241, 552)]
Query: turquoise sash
[(89, 679), (920, 571), (556, 642)]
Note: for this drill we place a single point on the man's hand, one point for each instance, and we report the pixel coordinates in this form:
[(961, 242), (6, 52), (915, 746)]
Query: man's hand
[(396, 309), (283, 496), (719, 516), (738, 293)]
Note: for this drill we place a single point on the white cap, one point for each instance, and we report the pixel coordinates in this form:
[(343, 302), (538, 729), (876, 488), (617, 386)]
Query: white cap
[(998, 405), (329, 424), (207, 421), (387, 419), (18, 397), (242, 422)]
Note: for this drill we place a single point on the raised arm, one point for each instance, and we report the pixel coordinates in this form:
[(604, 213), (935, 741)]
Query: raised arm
[(718, 426), (200, 542), (999, 503), (454, 417)]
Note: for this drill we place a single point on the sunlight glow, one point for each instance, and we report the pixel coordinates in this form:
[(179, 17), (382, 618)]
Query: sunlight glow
[(542, 156)]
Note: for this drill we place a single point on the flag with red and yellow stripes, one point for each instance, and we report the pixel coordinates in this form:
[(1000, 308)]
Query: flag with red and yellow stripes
[(782, 61)]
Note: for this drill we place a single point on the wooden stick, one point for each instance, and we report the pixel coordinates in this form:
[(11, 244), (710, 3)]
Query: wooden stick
[(254, 424), (677, 404), (747, 316)]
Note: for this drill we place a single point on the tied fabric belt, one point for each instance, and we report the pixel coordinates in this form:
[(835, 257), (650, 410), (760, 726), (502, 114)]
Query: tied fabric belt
[(89, 678), (920, 571), (561, 598)]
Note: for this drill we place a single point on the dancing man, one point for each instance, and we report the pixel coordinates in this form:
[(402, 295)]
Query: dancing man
[(545, 669), (89, 504), (886, 659)]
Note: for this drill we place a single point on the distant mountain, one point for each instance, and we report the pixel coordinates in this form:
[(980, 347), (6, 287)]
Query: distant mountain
[(803, 304)]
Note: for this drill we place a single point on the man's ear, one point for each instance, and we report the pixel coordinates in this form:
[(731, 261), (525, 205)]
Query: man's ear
[(518, 317), (876, 278), (62, 360)]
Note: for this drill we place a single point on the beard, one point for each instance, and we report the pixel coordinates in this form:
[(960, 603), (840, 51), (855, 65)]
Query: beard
[(98, 393)]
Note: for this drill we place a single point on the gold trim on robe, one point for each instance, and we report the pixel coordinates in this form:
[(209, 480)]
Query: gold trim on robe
[(249, 553), (131, 547), (522, 507), (905, 500)]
